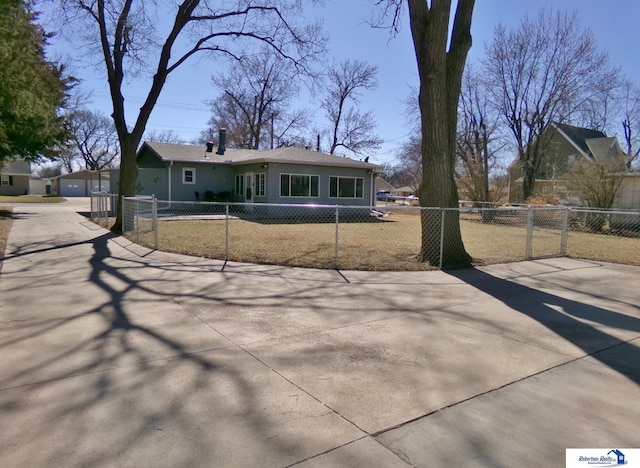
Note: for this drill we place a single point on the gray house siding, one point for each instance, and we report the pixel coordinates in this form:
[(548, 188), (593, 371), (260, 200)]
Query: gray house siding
[(152, 181), (205, 178), (245, 175), (324, 174)]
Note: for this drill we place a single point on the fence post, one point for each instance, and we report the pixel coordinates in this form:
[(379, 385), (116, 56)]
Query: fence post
[(336, 257), (226, 233), (105, 206), (442, 211), (529, 248), (154, 221), (136, 221), (565, 232)]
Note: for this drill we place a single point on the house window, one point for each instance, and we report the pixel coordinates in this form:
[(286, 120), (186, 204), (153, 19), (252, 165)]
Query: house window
[(6, 180), (239, 186), (299, 185), (261, 185), (188, 175), (346, 187)]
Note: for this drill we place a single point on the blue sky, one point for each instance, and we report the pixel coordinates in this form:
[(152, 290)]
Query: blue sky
[(181, 108)]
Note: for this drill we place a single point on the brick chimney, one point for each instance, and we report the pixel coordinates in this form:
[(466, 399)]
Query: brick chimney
[(222, 143)]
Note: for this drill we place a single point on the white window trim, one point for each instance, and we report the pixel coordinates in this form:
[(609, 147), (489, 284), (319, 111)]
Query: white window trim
[(193, 173), (238, 183), (355, 178), (256, 181)]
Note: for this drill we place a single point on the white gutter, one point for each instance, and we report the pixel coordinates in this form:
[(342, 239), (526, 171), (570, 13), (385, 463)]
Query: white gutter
[(373, 190)]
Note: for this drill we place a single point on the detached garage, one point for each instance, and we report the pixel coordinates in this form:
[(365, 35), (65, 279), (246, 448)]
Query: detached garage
[(80, 184)]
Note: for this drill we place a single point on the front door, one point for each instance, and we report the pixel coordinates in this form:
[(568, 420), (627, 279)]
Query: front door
[(248, 187)]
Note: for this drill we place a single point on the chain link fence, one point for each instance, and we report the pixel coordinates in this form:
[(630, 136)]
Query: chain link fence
[(385, 238), (104, 207)]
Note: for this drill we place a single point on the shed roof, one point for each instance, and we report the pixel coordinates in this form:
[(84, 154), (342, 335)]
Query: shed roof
[(84, 174)]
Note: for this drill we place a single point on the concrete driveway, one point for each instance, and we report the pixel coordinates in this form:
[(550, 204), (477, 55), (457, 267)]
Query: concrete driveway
[(114, 355)]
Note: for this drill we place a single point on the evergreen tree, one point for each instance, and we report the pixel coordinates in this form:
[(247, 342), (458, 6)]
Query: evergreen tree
[(31, 87)]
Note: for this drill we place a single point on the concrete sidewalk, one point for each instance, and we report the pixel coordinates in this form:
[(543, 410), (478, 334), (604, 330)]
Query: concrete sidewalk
[(114, 355)]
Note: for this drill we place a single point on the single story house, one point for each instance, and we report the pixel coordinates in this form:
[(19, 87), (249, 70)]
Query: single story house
[(284, 175), (405, 191), (14, 177), (80, 183)]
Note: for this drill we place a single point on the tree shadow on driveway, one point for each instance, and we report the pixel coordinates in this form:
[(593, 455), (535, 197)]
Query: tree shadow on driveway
[(119, 379), (586, 326)]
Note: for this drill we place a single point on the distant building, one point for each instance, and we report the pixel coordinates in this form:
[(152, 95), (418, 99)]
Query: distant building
[(14, 177), (564, 145)]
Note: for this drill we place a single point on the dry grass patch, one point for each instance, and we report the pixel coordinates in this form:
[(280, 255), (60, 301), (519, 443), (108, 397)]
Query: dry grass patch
[(603, 247), (387, 244)]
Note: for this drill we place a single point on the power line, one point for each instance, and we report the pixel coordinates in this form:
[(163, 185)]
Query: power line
[(167, 104)]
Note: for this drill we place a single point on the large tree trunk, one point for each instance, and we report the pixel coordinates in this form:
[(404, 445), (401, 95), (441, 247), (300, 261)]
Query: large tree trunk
[(128, 176), (440, 84)]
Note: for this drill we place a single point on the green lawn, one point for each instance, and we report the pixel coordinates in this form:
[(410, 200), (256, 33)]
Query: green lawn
[(30, 199)]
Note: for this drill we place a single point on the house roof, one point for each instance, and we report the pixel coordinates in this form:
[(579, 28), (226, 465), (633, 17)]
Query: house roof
[(16, 167), (84, 174), (193, 153), (233, 156), (406, 188), (579, 135), (382, 184), (603, 147)]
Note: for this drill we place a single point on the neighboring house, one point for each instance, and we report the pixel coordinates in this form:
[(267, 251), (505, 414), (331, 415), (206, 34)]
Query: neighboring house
[(564, 146), (628, 196), (14, 177), (405, 191), (284, 175), (383, 185), (80, 183)]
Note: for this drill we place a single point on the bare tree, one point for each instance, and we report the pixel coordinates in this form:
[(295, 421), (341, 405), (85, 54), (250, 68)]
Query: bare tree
[(477, 126), (128, 38), (548, 69), (164, 136), (49, 171), (441, 59), (631, 122), (254, 104), (94, 140), (409, 162), (597, 181), (351, 129)]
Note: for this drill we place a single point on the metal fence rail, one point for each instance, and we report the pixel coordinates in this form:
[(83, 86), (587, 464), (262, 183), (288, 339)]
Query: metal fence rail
[(387, 237)]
